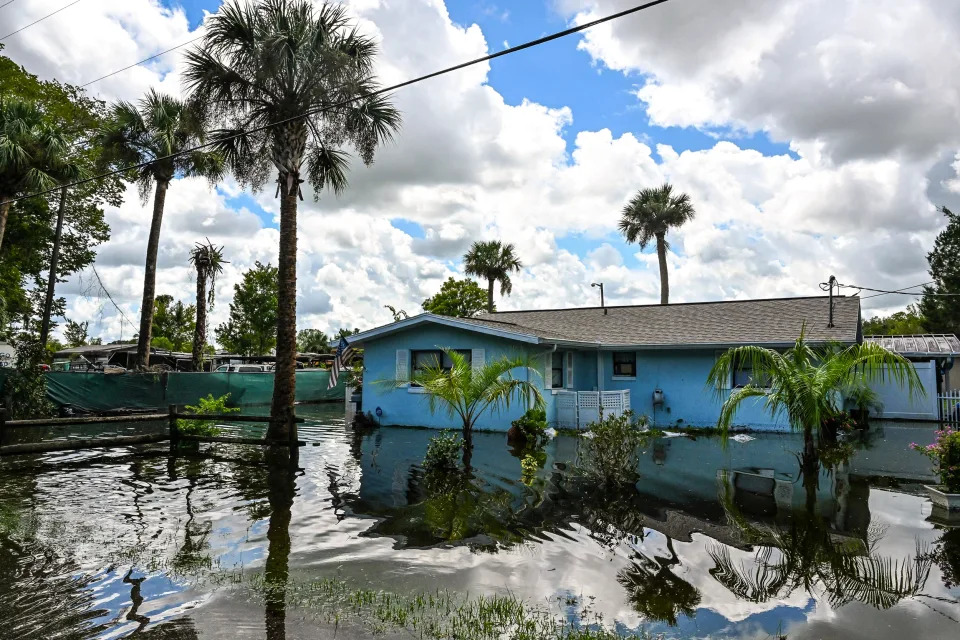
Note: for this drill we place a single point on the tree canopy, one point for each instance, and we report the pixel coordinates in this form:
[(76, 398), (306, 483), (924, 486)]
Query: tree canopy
[(493, 261), (173, 322), (252, 327), (313, 341), (942, 312), (458, 298), (907, 322)]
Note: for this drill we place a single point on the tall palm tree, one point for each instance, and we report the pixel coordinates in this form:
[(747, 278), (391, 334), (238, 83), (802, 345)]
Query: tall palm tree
[(33, 154), (291, 83), (208, 260), (494, 261), (649, 215), (150, 132), (806, 382)]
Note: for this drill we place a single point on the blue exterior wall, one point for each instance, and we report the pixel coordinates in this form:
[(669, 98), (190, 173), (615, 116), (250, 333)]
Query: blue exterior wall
[(402, 407), (682, 376), (680, 373), (897, 403)]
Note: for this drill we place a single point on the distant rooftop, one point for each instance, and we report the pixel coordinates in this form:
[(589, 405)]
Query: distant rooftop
[(918, 345)]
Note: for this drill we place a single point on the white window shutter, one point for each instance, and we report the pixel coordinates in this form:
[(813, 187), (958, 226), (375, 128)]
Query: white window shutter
[(548, 370), (569, 369), (725, 383), (403, 362), (478, 359)]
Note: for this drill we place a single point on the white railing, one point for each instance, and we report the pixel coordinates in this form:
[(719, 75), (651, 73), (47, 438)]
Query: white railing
[(948, 406), (577, 409)]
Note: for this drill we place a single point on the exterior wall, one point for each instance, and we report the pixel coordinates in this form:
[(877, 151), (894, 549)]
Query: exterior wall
[(682, 376), (897, 404), (406, 407)]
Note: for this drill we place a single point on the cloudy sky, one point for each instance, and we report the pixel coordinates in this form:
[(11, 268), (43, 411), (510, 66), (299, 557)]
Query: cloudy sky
[(815, 137)]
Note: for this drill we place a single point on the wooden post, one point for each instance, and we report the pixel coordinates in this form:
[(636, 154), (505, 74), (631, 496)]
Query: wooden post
[(174, 429), (3, 420)]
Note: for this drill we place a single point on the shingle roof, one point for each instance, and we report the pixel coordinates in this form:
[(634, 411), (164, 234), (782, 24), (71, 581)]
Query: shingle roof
[(919, 344), (772, 321)]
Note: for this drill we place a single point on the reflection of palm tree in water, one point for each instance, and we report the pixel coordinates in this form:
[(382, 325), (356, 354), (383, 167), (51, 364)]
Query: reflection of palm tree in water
[(282, 488), (655, 591), (137, 599)]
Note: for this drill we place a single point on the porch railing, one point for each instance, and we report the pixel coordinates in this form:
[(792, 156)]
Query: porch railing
[(948, 406), (577, 409)]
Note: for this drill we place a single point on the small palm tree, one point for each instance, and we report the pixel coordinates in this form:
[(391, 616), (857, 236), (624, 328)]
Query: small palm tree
[(494, 261), (304, 66), (465, 392), (807, 382), (33, 154), (151, 131), (208, 260), (649, 215)]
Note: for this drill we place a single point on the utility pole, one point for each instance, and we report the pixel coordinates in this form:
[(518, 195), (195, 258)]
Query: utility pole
[(602, 305), (831, 283), (52, 278)]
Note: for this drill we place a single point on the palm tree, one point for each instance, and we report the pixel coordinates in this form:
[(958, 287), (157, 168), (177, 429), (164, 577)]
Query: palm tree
[(467, 392), (494, 261), (33, 154), (291, 83), (806, 382), (208, 260), (650, 214), (150, 132)]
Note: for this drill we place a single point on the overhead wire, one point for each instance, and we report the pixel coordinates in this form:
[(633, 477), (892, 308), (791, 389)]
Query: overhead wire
[(884, 292), (526, 45), (6, 3), (38, 20), (138, 63)]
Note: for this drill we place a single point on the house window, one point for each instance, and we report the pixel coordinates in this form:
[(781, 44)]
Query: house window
[(556, 371), (625, 364), (743, 375), (430, 358)]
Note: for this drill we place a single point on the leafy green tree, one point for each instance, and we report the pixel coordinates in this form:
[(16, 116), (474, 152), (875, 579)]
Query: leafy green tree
[(807, 382), (304, 66), (76, 334), (152, 131), (493, 261), (345, 333), (252, 327), (907, 322), (313, 341), (940, 304), (172, 321), (162, 342), (208, 260), (459, 298), (648, 216)]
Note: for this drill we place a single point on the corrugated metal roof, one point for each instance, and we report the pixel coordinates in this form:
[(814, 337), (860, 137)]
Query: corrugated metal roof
[(927, 344)]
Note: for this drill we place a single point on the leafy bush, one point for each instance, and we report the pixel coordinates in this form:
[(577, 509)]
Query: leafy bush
[(205, 406), (608, 451), (443, 453), (532, 427), (26, 389), (945, 454), (530, 464)]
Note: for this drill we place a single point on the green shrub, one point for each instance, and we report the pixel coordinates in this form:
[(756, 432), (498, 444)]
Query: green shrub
[(205, 406), (26, 389), (532, 426), (945, 454), (530, 464), (608, 451), (443, 453)]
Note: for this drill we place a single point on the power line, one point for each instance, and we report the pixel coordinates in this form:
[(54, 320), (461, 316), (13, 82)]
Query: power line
[(136, 64), (38, 19), (6, 3), (904, 290), (883, 292), (406, 83)]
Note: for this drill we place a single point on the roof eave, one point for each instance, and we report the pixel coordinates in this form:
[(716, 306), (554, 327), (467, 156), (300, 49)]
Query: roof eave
[(457, 323)]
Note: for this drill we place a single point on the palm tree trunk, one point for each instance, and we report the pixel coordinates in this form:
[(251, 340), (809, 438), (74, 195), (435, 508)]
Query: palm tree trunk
[(810, 467), (467, 447), (284, 384), (52, 278), (150, 276), (200, 328), (282, 489), (490, 282), (664, 280), (4, 212)]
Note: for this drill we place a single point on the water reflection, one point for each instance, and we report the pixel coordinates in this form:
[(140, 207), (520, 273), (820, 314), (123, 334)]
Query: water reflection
[(709, 541)]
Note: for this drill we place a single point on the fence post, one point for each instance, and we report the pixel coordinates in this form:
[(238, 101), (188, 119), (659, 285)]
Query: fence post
[(174, 429), (3, 423)]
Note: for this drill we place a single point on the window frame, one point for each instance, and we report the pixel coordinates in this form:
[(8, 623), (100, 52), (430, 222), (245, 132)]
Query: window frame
[(554, 369), (739, 370), (614, 363), (440, 356)]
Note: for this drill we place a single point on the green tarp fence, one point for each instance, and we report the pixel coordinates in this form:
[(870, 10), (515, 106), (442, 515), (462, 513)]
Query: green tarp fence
[(106, 392)]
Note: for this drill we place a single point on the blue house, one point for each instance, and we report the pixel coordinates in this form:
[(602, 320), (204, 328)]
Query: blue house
[(653, 359)]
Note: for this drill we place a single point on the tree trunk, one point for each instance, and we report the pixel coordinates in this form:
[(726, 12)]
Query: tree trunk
[(664, 280), (490, 282), (4, 212), (284, 384), (810, 468), (467, 447), (52, 278), (282, 489), (150, 276), (200, 328)]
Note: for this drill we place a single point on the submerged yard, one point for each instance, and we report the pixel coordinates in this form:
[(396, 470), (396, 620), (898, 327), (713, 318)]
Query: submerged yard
[(711, 542)]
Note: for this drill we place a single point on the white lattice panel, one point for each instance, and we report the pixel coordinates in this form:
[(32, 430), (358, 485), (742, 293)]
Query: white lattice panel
[(588, 403), (566, 409)]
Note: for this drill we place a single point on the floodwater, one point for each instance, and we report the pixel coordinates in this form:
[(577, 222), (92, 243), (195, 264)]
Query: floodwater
[(711, 542)]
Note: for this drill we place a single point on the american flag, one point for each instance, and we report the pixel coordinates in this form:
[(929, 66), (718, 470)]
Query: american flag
[(344, 352)]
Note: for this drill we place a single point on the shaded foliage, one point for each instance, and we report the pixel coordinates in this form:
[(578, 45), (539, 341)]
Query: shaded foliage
[(458, 298)]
